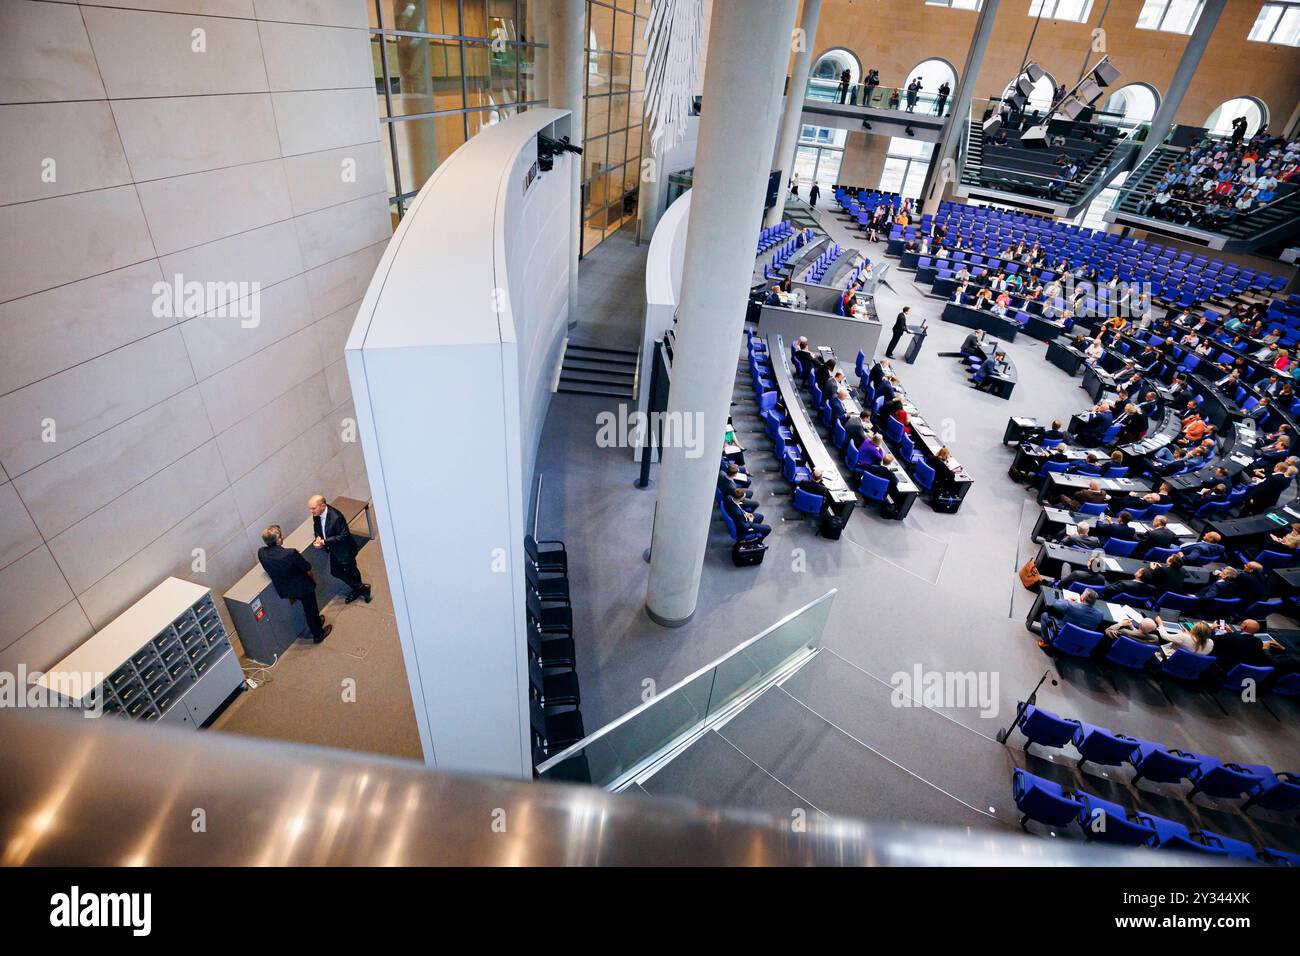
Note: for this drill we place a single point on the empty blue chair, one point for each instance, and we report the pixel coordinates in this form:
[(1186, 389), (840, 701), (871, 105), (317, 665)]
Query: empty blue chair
[(1178, 602), (924, 476), (1119, 549), (1130, 654), (1187, 667), (1232, 848), (893, 429), (1288, 685), (1262, 609), (1273, 559), (1042, 800), (1213, 509), (1160, 509), (1171, 835), (792, 470), (1044, 727), (1052, 466), (1152, 761), (839, 437), (1246, 675), (1279, 857), (1117, 471), (807, 502), (1275, 791), (1225, 780), (1108, 822), (1101, 746), (873, 487), (1075, 641), (1092, 508)]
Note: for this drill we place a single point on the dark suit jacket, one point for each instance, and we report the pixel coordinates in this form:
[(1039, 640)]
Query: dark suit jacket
[(1159, 538), (900, 324), (856, 431), (288, 571), (339, 543), (1114, 529), (1169, 580), (1252, 587), (1133, 587)]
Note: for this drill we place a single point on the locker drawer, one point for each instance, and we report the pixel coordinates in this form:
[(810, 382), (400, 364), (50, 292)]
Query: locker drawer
[(142, 659), (172, 654)]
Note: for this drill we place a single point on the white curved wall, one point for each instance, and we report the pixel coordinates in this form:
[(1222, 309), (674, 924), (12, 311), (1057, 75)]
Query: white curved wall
[(663, 285), (450, 361)]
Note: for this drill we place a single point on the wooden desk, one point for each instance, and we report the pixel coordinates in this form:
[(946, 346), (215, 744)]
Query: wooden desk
[(1055, 483)]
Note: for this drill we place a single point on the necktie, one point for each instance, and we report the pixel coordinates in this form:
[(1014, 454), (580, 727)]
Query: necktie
[(318, 521)]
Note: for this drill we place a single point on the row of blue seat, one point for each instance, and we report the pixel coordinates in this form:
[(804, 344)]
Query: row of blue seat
[(1104, 821)]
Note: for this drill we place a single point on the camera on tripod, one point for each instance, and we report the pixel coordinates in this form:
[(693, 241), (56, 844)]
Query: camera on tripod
[(548, 149)]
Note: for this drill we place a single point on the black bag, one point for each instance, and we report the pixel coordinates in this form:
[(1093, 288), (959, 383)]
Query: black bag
[(746, 554), (832, 526)]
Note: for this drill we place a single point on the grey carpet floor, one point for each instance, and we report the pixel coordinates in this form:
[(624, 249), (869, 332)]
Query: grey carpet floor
[(934, 591)]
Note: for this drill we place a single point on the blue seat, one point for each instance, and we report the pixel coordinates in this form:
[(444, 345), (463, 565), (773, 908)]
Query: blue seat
[(1101, 746), (1273, 559), (924, 476), (1108, 822), (873, 487), (792, 470), (839, 437), (1178, 602), (1075, 641), (1042, 800), (1119, 549), (1117, 471), (1171, 835), (1243, 675), (1288, 685), (1187, 667), (893, 429), (1232, 848), (1275, 791), (1160, 509), (1279, 857), (1224, 780), (1160, 554), (1044, 727), (807, 502), (1049, 467), (1152, 761), (1092, 508), (1130, 654)]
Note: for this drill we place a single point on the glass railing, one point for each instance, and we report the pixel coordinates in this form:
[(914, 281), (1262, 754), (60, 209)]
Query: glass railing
[(878, 97), (614, 754)]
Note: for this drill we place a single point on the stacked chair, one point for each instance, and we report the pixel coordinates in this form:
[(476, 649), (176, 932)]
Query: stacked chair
[(554, 697)]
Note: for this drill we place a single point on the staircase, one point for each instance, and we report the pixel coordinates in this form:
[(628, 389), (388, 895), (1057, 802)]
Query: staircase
[(588, 370), (1268, 226), (828, 739), (1005, 185)]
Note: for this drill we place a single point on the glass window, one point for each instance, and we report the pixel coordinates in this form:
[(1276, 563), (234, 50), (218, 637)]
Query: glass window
[(421, 16), (597, 123), (422, 145), (490, 78), (1075, 11), (956, 4), (1278, 22), (593, 156), (600, 20), (618, 111), (598, 73), (891, 177), (905, 167), (424, 74), (533, 62), (479, 118), (1220, 121), (1170, 16)]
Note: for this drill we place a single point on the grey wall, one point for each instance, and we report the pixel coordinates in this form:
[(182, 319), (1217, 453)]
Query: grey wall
[(232, 164)]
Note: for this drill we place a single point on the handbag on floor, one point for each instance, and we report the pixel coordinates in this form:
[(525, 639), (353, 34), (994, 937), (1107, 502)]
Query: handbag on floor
[(746, 554), (1029, 575), (831, 526)]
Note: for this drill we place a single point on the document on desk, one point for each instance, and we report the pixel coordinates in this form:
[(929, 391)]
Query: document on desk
[(1112, 564)]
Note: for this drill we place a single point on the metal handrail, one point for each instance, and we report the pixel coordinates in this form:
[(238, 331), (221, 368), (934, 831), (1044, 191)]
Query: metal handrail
[(660, 699)]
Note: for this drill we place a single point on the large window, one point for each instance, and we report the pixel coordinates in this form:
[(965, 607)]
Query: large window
[(1170, 16), (956, 4), (818, 156), (444, 69), (1136, 103), (1076, 11), (1278, 22), (615, 101), (1093, 217), (906, 162), (1220, 121)]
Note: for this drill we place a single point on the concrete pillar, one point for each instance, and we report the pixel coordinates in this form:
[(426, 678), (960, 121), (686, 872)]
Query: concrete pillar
[(746, 62), (956, 125), (792, 119), (566, 76), (1163, 121)]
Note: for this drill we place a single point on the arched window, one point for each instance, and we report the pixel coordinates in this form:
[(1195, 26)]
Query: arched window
[(1136, 103), (833, 62), (1256, 113), (932, 73)]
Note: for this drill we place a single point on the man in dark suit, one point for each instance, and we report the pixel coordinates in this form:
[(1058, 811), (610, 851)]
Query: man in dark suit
[(803, 357), (1118, 528), (1138, 586), (749, 524), (816, 486), (900, 329), (1252, 583), (293, 580), (1158, 535), (855, 430), (1169, 577), (334, 537), (1265, 492)]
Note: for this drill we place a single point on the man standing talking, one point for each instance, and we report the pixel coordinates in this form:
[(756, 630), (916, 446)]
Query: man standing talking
[(333, 536), (900, 327)]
